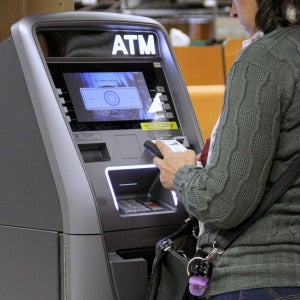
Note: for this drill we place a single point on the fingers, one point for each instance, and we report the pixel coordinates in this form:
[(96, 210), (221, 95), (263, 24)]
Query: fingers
[(164, 149), (198, 156), (172, 161), (157, 161)]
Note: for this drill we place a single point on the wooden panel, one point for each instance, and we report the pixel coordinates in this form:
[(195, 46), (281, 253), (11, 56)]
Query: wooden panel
[(41, 6), (13, 10), (231, 49), (201, 65), (207, 102)]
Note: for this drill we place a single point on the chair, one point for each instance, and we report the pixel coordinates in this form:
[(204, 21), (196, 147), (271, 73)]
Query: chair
[(207, 101), (201, 65), (231, 49)]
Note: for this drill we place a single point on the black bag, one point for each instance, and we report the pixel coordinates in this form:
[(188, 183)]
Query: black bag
[(174, 254), (169, 279)]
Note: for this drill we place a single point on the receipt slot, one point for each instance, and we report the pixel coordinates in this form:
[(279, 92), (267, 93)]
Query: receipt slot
[(81, 204)]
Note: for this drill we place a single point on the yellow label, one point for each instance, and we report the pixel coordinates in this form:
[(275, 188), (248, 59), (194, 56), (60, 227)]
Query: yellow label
[(159, 126)]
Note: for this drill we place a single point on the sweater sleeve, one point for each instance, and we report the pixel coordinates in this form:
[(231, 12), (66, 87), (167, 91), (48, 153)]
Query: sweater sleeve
[(229, 189)]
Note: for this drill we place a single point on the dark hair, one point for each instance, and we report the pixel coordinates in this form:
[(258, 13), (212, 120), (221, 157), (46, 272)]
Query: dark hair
[(272, 13)]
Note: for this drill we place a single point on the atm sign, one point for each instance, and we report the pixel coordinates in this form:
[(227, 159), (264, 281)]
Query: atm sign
[(134, 44)]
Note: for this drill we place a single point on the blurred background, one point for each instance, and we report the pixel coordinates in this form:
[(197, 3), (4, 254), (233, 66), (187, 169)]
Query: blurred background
[(203, 21)]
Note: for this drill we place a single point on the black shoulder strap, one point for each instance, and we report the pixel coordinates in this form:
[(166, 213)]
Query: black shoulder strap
[(226, 237)]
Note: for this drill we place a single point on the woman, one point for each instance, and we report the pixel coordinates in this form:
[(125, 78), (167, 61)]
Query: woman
[(256, 138)]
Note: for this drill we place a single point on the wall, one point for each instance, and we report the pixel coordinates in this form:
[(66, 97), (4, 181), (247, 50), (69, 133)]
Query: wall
[(13, 10)]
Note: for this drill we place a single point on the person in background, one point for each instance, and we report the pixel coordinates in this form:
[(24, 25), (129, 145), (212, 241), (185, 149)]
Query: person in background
[(257, 136)]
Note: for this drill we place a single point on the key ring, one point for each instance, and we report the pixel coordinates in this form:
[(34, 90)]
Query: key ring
[(191, 261), (207, 258)]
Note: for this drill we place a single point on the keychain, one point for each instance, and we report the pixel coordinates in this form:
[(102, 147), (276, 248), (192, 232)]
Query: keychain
[(199, 270)]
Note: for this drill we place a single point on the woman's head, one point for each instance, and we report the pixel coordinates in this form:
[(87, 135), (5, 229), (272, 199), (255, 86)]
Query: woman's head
[(272, 13), (245, 11), (265, 15)]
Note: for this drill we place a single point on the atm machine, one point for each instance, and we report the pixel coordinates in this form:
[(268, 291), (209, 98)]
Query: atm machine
[(81, 204)]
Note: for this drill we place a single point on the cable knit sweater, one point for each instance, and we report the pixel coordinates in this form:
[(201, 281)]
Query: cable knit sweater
[(257, 137)]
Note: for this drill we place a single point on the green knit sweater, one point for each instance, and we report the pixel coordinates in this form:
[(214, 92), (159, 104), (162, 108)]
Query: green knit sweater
[(257, 137)]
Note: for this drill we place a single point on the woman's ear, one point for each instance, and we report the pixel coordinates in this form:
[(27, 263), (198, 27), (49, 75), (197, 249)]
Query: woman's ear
[(291, 12)]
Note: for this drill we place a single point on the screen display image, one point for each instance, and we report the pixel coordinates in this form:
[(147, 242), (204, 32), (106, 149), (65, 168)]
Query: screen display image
[(114, 95), (111, 96)]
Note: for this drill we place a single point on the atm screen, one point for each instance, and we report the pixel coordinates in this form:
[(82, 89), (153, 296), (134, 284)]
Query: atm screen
[(106, 96), (110, 96)]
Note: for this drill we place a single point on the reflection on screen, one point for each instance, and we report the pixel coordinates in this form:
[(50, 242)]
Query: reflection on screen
[(111, 96)]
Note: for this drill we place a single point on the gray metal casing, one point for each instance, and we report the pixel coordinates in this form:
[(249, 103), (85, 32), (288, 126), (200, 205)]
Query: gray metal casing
[(52, 201)]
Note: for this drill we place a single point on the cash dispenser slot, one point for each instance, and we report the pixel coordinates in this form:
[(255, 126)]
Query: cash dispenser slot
[(136, 190)]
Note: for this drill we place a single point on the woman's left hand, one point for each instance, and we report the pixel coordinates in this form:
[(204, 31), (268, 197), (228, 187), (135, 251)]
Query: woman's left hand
[(171, 162)]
